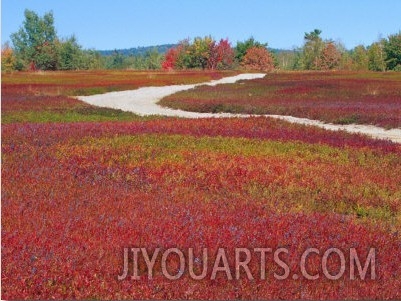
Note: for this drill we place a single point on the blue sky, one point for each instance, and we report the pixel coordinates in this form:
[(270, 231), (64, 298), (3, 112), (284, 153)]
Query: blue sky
[(106, 24)]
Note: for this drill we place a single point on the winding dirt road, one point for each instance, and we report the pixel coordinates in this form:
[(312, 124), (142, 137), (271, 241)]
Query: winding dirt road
[(143, 101)]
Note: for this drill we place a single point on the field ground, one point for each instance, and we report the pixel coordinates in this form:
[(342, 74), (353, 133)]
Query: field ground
[(336, 97), (78, 188)]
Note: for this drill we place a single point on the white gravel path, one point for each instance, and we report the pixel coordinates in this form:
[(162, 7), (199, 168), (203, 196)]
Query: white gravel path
[(143, 101)]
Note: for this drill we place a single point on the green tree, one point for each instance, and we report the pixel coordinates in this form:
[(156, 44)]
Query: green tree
[(34, 43), (47, 57), (153, 60), (115, 61), (392, 50), (182, 55), (312, 49), (298, 59), (92, 59), (313, 35), (70, 55), (345, 62)]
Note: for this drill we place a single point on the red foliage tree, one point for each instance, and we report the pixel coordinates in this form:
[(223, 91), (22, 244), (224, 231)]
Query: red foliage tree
[(221, 55), (170, 59), (205, 53), (226, 54), (214, 58), (258, 58)]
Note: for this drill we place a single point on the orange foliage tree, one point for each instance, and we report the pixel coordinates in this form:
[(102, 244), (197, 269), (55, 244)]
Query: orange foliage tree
[(258, 58), (8, 60), (329, 58)]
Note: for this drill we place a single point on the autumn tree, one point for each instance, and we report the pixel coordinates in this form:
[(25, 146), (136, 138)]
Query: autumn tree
[(8, 60), (202, 53), (242, 48), (189, 55), (392, 50), (170, 59), (329, 58), (221, 55), (213, 56), (258, 58), (226, 54), (199, 52), (177, 57)]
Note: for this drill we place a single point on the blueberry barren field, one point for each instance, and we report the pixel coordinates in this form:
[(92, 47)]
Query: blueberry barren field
[(340, 98), (330, 97), (81, 183)]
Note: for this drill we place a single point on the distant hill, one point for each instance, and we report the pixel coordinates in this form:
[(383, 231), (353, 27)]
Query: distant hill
[(279, 50), (138, 50), (161, 49)]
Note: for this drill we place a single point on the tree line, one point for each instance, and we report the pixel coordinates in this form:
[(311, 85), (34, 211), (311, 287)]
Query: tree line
[(36, 46), (319, 54)]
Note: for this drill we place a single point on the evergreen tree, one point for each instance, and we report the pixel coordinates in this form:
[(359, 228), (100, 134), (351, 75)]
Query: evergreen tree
[(312, 50)]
